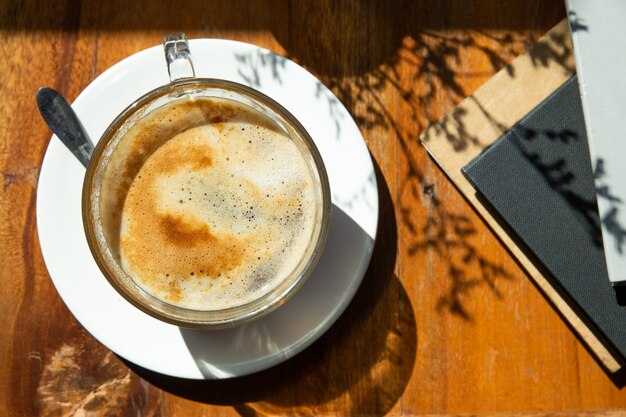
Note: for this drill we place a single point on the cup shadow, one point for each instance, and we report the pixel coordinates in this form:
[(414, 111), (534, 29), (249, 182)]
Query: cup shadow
[(360, 366), (278, 336)]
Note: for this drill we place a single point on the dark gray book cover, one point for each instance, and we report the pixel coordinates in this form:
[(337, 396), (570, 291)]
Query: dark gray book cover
[(538, 178)]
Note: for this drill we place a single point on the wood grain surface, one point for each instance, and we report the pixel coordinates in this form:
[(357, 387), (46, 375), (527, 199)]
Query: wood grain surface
[(445, 323)]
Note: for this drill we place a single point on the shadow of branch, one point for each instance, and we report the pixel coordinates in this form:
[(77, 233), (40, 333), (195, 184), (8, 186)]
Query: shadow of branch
[(418, 64)]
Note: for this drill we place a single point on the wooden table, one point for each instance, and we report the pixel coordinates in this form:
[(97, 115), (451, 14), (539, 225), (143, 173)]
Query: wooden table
[(445, 322)]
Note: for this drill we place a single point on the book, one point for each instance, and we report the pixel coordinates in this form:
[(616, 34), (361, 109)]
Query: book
[(538, 179), (598, 39)]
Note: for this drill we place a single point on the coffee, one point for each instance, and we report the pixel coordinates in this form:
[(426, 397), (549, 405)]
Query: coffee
[(207, 204)]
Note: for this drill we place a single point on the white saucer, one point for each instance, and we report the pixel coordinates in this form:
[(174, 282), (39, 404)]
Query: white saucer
[(162, 347)]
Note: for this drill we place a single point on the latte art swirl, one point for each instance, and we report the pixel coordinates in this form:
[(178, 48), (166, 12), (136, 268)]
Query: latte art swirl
[(208, 204)]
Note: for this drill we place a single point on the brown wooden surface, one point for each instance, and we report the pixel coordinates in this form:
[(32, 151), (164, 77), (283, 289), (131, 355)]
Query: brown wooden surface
[(445, 323)]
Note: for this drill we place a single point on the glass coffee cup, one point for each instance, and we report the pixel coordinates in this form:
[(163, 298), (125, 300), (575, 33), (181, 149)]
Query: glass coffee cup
[(104, 234)]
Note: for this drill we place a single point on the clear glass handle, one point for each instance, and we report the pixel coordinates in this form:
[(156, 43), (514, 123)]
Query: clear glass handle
[(178, 57)]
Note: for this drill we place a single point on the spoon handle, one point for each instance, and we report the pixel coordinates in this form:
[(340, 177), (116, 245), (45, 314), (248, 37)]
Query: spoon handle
[(62, 120)]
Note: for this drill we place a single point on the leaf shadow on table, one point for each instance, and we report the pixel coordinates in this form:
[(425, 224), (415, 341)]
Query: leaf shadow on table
[(360, 366), (394, 57)]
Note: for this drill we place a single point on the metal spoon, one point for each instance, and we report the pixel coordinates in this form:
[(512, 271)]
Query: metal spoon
[(62, 120)]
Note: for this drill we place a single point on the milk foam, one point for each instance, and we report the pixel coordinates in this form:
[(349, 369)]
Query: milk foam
[(218, 213)]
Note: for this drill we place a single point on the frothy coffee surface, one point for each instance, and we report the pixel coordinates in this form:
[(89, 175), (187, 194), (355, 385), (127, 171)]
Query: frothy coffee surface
[(207, 204)]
